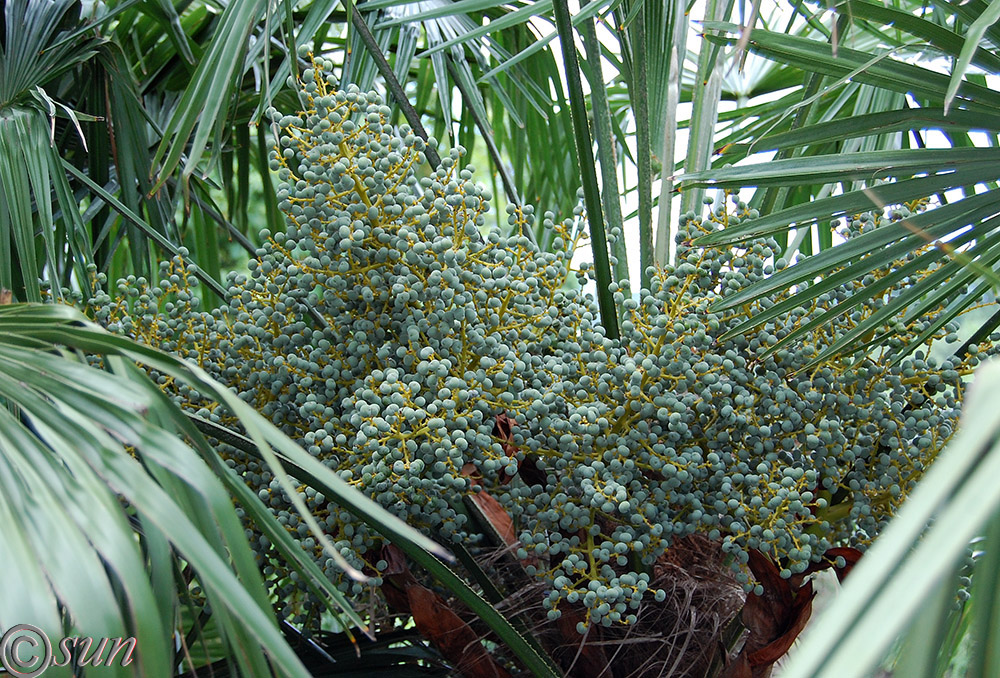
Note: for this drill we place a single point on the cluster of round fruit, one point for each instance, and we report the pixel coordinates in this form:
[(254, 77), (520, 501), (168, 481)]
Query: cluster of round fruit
[(386, 329)]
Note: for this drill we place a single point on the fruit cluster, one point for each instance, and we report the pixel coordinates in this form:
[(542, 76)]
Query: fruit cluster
[(386, 329)]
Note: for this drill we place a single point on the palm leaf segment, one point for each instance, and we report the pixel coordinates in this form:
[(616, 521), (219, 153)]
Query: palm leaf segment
[(845, 163)]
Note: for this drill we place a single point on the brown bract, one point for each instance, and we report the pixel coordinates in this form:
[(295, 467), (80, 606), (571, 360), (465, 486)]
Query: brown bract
[(777, 617), (435, 619)]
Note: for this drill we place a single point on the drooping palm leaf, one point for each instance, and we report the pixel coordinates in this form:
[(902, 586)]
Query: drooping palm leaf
[(74, 438)]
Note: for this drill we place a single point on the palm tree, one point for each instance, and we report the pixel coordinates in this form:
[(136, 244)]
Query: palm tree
[(128, 131)]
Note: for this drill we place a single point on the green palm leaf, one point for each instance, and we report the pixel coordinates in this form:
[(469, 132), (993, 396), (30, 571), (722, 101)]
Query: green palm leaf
[(872, 156), (74, 438)]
